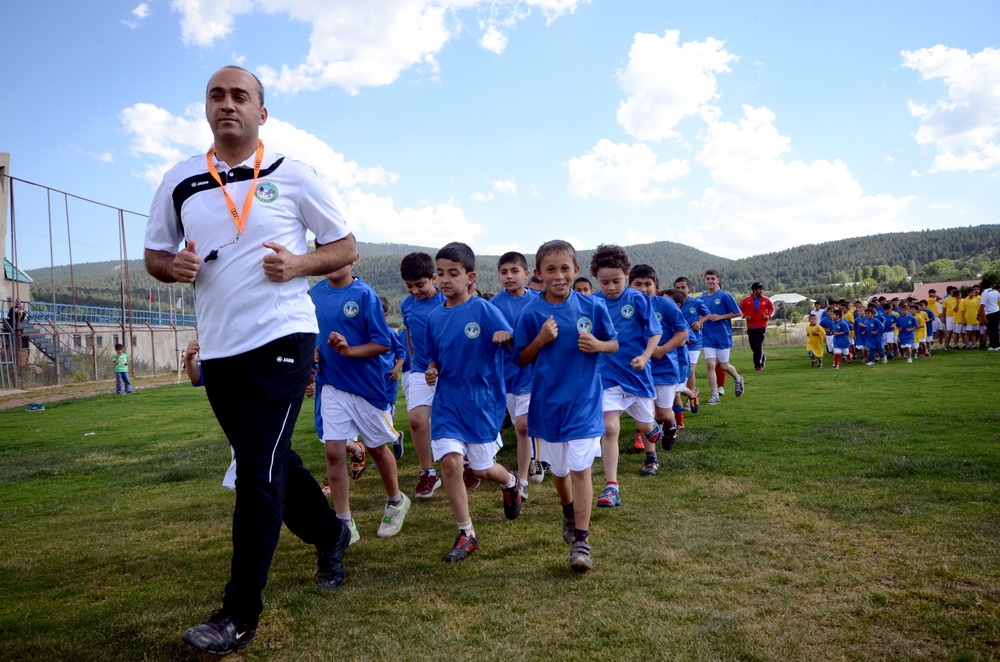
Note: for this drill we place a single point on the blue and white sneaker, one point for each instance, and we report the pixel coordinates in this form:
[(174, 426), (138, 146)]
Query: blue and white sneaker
[(610, 498)]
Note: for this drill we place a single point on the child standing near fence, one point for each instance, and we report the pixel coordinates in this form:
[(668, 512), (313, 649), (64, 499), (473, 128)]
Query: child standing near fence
[(121, 370)]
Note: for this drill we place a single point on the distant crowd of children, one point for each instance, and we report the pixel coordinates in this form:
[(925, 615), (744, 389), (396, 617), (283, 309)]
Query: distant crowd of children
[(906, 328)]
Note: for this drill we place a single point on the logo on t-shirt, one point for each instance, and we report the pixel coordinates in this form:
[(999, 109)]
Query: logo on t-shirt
[(692, 310), (659, 317), (266, 192), (718, 301), (584, 325), (351, 309), (628, 312), (472, 330)]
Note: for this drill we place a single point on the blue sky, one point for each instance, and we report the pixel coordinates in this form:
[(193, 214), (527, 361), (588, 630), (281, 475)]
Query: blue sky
[(737, 128)]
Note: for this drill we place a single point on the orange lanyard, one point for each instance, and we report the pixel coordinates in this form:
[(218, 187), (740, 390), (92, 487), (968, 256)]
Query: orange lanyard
[(238, 218)]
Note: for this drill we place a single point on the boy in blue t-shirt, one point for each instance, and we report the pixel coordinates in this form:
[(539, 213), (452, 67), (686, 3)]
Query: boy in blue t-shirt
[(626, 375), (717, 336), (873, 336), (906, 324), (561, 335), (354, 398), (464, 338), (418, 272), (841, 331), (666, 373), (696, 314), (513, 271)]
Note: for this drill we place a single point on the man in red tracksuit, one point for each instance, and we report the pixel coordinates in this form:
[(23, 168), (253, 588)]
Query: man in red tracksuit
[(757, 309)]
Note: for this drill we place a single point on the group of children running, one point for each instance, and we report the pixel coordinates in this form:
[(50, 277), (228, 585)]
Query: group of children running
[(895, 328)]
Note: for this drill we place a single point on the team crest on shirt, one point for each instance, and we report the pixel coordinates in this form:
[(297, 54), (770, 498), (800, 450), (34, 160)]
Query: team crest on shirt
[(718, 301), (472, 330), (351, 309), (584, 325), (659, 317), (266, 192), (628, 312), (692, 310)]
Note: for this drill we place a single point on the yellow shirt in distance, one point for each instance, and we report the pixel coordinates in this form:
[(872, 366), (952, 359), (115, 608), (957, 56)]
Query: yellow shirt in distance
[(815, 339)]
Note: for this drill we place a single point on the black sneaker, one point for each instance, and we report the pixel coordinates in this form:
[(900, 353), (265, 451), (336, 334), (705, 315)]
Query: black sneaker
[(397, 446), (650, 468), (739, 386), (512, 500), (569, 528), (218, 635), (669, 437), (464, 545), (331, 573), (579, 556)]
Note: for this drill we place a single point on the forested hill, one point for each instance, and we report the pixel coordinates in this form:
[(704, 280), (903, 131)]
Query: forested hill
[(813, 264)]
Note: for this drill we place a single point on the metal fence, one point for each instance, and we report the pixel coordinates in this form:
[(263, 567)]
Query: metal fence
[(74, 267)]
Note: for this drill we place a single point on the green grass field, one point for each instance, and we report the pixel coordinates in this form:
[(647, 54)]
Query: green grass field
[(849, 515)]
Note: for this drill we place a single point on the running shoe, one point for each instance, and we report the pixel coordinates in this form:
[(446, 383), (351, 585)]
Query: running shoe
[(669, 436), (650, 468), (464, 545), (714, 400), (512, 501), (740, 386), (218, 635), (536, 473), (355, 534), (639, 444), (610, 498), (392, 519), (579, 556), (427, 483), (471, 482), (523, 487), (397, 446), (695, 402), (722, 391), (885, 360), (331, 573), (358, 462)]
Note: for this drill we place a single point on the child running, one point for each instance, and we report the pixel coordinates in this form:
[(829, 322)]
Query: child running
[(463, 340), (561, 333), (815, 341)]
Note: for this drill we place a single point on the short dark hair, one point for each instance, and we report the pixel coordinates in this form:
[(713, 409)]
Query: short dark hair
[(458, 252), (713, 272), (554, 246), (676, 295), (385, 304), (415, 266), (682, 279), (609, 256), (582, 279), (513, 257), (644, 271)]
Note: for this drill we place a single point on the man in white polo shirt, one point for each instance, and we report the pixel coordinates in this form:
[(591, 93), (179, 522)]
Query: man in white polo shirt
[(243, 212), (990, 306)]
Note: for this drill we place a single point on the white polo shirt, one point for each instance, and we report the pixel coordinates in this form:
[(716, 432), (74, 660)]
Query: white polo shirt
[(990, 301), (238, 308)]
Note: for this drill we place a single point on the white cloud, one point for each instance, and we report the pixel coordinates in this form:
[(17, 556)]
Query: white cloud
[(633, 237), (963, 127), (667, 81), (504, 186), (482, 197), (616, 171), (160, 139), (359, 43), (104, 157), (140, 12), (760, 202)]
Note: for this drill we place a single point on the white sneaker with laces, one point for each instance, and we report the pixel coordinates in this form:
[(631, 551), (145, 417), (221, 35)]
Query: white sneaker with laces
[(392, 520)]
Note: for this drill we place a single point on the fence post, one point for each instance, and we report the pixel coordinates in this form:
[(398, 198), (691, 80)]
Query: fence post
[(152, 344)]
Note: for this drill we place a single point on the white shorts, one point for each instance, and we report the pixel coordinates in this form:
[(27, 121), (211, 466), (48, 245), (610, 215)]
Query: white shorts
[(346, 415), (572, 455), (720, 355), (693, 355), (639, 408), (229, 480), (517, 404), (840, 350), (480, 456), (936, 325), (971, 327), (665, 395), (959, 328), (888, 338), (852, 342), (906, 346), (949, 324), (417, 392), (829, 343)]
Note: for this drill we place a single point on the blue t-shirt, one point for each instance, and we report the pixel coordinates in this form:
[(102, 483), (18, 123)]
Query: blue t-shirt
[(355, 312), (907, 324), (470, 401), (401, 335), (873, 333), (396, 351), (683, 364), (516, 379), (634, 321), (566, 391), (665, 368), (693, 309), (719, 335), (842, 341), (827, 323), (415, 312)]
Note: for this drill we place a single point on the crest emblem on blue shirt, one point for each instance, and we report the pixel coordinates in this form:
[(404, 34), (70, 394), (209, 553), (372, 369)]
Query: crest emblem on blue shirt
[(266, 192), (584, 325), (628, 311), (692, 310), (718, 301), (351, 309), (659, 317), (472, 330)]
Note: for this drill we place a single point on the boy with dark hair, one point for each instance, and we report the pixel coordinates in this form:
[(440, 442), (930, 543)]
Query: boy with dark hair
[(666, 374), (355, 401), (513, 271), (418, 272), (626, 375), (841, 336), (463, 339), (583, 285), (815, 341), (718, 335), (907, 325), (120, 360), (695, 313), (562, 334)]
